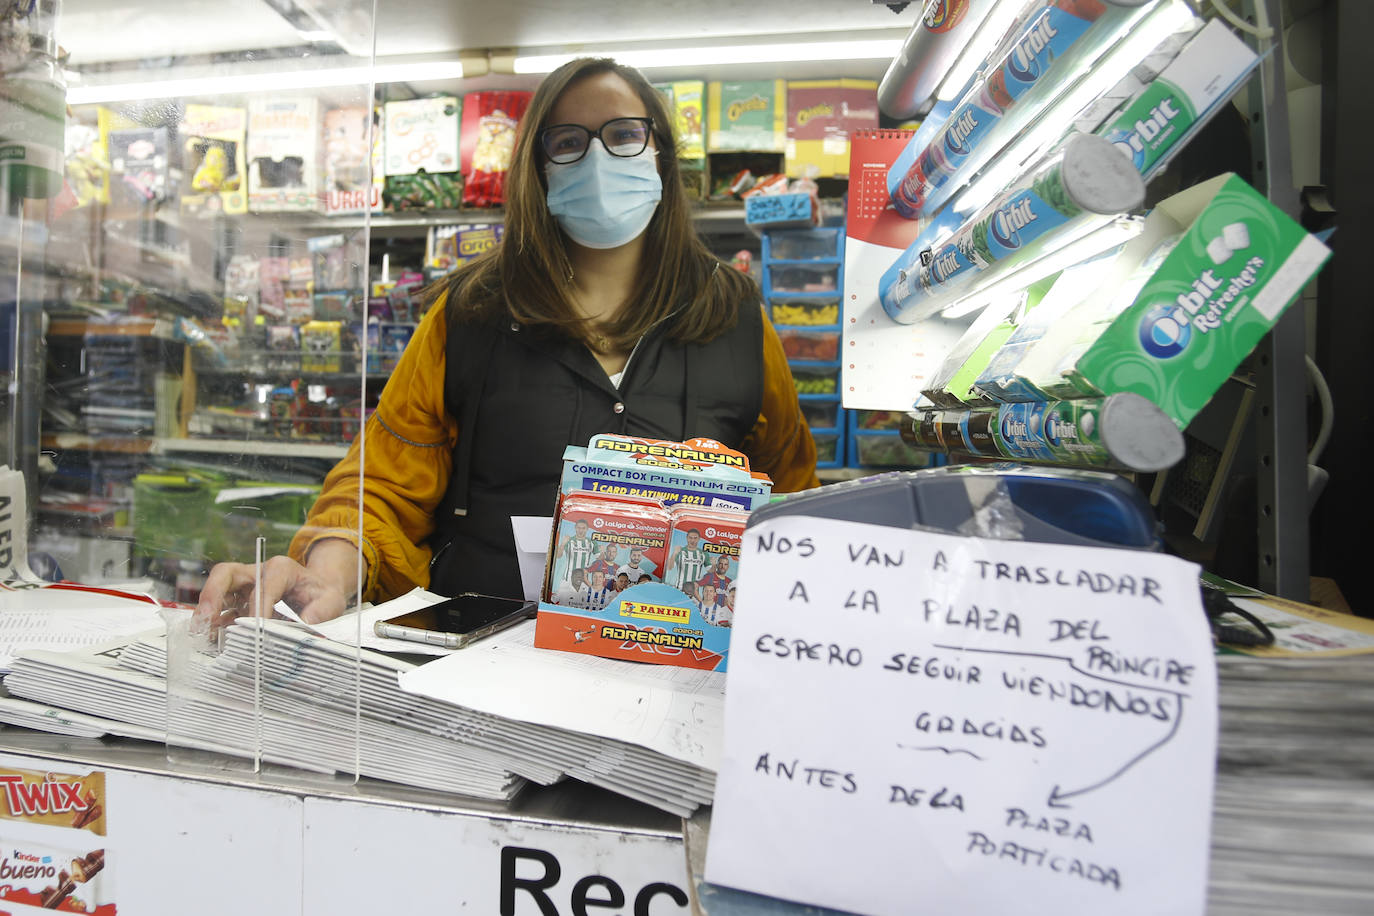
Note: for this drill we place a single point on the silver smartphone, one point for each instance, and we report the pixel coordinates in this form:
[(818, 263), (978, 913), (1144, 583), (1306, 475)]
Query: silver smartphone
[(458, 621)]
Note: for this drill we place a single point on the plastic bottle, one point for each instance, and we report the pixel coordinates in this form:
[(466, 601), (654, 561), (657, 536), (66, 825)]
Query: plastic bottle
[(33, 100)]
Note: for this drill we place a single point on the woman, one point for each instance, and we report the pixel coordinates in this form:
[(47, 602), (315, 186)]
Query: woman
[(601, 311)]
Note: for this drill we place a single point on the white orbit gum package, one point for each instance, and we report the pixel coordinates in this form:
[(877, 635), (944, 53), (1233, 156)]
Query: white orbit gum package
[(646, 550)]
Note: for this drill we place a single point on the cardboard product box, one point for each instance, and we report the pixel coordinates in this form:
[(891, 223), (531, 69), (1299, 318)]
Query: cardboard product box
[(354, 173), (284, 155), (747, 116), (273, 275), (821, 114), (214, 159), (1167, 110), (298, 306), (321, 346), (242, 286), (689, 98), (139, 164), (336, 261), (1239, 262), (392, 339), (655, 621), (422, 135), (448, 247)]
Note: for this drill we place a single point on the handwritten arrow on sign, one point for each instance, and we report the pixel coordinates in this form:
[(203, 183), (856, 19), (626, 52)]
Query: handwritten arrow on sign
[(1168, 700)]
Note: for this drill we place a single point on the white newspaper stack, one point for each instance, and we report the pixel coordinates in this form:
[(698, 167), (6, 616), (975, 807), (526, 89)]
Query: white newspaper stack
[(479, 722), (1293, 828)]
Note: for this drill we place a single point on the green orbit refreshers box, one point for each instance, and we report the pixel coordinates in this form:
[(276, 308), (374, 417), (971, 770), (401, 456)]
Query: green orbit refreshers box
[(1238, 264)]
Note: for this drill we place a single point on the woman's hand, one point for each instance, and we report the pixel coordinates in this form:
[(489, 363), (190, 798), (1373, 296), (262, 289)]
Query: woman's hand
[(230, 591)]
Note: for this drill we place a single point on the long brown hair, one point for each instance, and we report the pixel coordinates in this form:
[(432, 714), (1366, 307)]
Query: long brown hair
[(527, 276)]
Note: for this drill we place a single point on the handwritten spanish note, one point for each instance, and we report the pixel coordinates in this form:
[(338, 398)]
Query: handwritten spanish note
[(924, 723)]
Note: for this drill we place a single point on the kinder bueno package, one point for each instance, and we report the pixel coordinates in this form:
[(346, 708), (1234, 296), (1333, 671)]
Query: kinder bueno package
[(668, 606), (488, 142), (52, 877)]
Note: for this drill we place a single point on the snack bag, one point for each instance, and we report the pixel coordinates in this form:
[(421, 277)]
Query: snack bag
[(487, 143), (423, 192)]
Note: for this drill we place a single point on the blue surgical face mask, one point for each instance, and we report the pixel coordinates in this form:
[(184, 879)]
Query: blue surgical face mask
[(604, 201)]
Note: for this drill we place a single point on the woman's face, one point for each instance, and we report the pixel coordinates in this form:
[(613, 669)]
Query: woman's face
[(593, 100)]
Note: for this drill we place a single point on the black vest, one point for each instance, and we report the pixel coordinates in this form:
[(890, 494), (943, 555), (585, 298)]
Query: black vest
[(521, 395)]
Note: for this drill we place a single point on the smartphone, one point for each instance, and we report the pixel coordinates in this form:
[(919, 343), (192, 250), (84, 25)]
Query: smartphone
[(458, 621)]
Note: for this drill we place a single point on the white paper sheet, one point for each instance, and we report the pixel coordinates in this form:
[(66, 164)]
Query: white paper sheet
[(349, 628), (61, 617), (675, 711), (926, 723), (531, 550), (14, 543)]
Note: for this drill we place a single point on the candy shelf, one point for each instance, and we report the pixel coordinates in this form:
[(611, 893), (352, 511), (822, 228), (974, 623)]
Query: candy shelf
[(803, 274)]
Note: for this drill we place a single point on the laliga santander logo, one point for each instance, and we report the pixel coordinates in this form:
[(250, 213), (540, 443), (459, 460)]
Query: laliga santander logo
[(598, 523), (1164, 330)]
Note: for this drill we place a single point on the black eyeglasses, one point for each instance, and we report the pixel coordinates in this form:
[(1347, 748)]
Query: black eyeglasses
[(625, 137)]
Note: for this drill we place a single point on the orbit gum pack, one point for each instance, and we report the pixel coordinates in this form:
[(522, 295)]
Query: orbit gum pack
[(669, 514), (1047, 43), (1237, 264)]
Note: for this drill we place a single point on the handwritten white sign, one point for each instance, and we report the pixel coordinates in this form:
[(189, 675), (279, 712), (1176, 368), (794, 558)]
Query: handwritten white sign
[(924, 723)]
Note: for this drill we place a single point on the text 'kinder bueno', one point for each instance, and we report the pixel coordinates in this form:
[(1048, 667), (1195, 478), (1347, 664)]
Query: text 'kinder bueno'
[(54, 878)]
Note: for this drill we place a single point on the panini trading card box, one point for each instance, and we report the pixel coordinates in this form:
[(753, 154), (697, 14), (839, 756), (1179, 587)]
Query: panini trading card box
[(668, 518)]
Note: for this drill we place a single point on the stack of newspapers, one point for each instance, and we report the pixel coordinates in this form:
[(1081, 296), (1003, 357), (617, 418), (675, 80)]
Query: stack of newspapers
[(1293, 822), (479, 722)]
